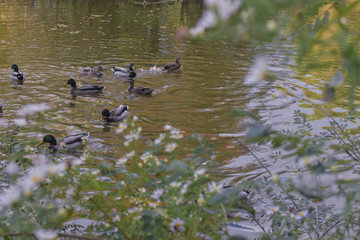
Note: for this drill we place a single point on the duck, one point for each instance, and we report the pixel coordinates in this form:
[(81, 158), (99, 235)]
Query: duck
[(124, 72), (172, 67), (137, 90), (96, 71), (115, 115), (16, 75), (85, 90), (70, 142)]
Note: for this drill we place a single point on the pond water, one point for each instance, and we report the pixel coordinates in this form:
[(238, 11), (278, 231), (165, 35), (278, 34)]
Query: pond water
[(51, 39)]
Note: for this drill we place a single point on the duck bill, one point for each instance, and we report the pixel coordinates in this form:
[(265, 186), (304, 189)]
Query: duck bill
[(41, 143), (65, 84), (102, 118)]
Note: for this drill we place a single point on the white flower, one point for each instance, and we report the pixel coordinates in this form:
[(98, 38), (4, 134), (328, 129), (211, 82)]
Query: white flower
[(170, 147), (157, 194), (10, 195), (116, 218), (301, 215), (175, 133), (184, 188), (225, 8), (207, 20), (199, 172), (133, 135), (167, 127), (12, 168), (43, 234), (30, 109), (34, 176), (176, 225), (175, 184), (216, 8), (200, 201), (146, 156), (122, 126), (272, 210), (130, 154), (135, 118), (257, 72), (214, 188), (121, 161), (160, 138)]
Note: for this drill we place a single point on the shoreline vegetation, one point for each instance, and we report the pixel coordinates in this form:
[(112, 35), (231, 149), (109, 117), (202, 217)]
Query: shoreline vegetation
[(157, 191)]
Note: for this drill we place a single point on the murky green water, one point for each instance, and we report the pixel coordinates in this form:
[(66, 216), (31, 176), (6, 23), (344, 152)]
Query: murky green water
[(50, 40)]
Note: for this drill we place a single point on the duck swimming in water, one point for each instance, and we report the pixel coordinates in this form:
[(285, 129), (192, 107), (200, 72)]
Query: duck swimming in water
[(115, 115), (137, 90), (172, 67), (85, 90), (16, 75), (70, 142), (90, 72), (124, 72)]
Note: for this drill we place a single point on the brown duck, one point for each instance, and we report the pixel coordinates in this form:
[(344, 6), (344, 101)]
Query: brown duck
[(172, 67), (137, 90)]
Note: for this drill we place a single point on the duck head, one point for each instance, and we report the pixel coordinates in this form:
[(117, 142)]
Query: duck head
[(178, 59), (105, 113), (71, 82), (48, 139), (15, 67), (131, 66)]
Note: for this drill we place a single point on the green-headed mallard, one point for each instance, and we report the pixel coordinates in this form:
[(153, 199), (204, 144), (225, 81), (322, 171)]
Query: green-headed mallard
[(115, 115), (124, 72), (172, 67), (137, 90), (70, 142), (90, 72), (16, 75), (85, 90)]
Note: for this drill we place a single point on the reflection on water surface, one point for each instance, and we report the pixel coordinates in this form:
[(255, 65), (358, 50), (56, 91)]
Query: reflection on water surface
[(52, 40)]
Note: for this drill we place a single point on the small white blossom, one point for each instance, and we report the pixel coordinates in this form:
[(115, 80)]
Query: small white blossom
[(130, 154), (176, 225), (160, 138), (30, 109), (167, 127), (213, 187), (170, 147), (200, 201), (34, 176), (135, 118), (133, 135), (199, 172), (10, 195), (175, 184), (257, 72), (272, 210), (146, 156), (184, 188), (12, 168), (121, 161), (122, 126), (157, 194), (175, 133), (301, 215), (43, 234)]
